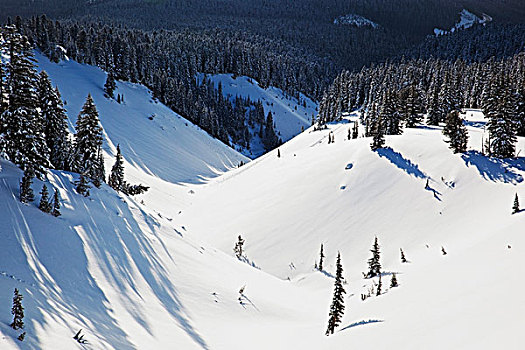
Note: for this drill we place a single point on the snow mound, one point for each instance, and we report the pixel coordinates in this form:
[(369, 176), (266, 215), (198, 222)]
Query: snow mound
[(466, 20)]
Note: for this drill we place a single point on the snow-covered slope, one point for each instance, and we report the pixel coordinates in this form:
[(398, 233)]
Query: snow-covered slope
[(343, 195), (466, 20), (290, 115), (157, 271), (355, 20)]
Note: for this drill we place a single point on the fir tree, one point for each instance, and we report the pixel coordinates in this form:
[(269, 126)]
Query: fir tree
[(378, 135), (22, 127), (321, 258), (238, 249), (88, 142), (355, 130), (456, 132), (516, 206), (116, 178), (337, 307), (55, 123), (443, 251), (110, 86), (26, 192), (17, 311), (374, 263), (45, 205), (82, 186), (393, 281), (56, 205), (403, 259), (22, 336)]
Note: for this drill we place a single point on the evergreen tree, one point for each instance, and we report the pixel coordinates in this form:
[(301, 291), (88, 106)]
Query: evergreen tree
[(393, 281), (456, 132), (55, 123), (26, 192), (337, 307), (374, 263), (443, 251), (110, 86), (379, 286), (22, 127), (403, 259), (45, 204), (238, 249), (88, 142), (516, 206), (270, 139), (17, 311), (412, 107), (321, 258), (82, 186), (378, 131), (116, 178), (56, 205), (498, 109), (355, 130)]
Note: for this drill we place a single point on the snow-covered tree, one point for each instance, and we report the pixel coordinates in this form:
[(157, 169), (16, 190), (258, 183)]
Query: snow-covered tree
[(116, 177), (456, 132), (45, 204), (17, 311), (26, 192), (337, 307), (82, 186), (374, 264), (321, 258), (110, 86), (238, 249), (56, 205), (403, 259), (88, 143), (393, 281)]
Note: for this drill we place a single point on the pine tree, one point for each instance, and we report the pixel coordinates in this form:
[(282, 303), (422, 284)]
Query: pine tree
[(337, 307), (456, 132), (278, 153), (355, 130), (45, 204), (110, 86), (378, 134), (26, 192), (17, 311), (374, 263), (88, 142), (403, 259), (56, 205), (379, 286), (321, 258), (22, 127), (516, 206), (116, 178), (82, 186), (55, 123), (393, 281), (498, 108), (443, 251), (412, 107), (269, 139), (238, 249)]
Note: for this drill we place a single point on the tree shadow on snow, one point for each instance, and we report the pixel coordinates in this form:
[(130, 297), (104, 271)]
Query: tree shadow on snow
[(495, 169), (360, 323), (402, 163)]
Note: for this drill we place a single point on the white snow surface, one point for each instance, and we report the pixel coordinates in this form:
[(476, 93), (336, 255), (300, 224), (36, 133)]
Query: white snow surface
[(290, 115), (466, 20), (161, 274), (355, 20)]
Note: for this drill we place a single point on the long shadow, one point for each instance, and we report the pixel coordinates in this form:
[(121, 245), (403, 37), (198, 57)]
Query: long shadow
[(402, 163), (55, 254), (495, 169), (360, 323)]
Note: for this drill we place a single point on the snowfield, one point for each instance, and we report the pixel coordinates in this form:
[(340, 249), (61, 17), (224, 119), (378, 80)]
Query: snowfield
[(157, 271)]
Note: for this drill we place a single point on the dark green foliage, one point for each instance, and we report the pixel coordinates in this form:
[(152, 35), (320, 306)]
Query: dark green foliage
[(82, 186), (270, 139), (374, 263), (238, 249), (321, 258), (133, 190), (88, 143), (378, 134), (17, 311), (403, 259), (379, 286), (337, 307), (516, 205), (45, 204), (456, 132), (26, 192), (56, 205), (116, 177), (393, 281), (355, 130), (55, 123), (22, 336), (110, 86)]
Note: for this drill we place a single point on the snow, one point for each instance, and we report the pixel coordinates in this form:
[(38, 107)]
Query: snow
[(466, 20), (289, 115), (355, 20), (157, 271)]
